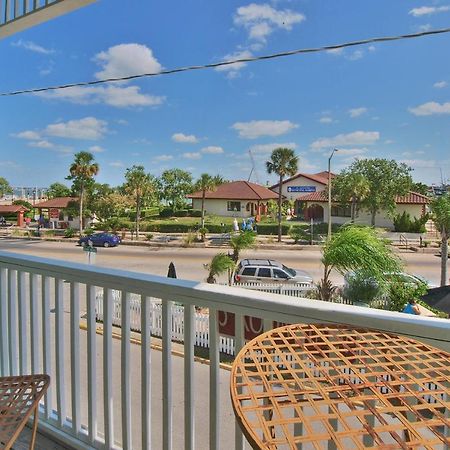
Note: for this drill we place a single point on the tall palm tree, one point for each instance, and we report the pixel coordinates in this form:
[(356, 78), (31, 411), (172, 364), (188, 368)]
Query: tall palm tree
[(205, 184), (284, 163), (140, 186), (82, 172), (441, 217), (241, 242)]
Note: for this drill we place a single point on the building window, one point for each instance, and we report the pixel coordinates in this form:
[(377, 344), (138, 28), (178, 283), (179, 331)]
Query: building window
[(341, 211), (233, 206)]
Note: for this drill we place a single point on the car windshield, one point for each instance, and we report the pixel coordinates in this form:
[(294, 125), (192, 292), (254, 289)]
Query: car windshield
[(290, 271)]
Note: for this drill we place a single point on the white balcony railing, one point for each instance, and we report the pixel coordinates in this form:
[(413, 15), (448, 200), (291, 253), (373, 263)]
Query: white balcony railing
[(17, 15), (111, 393)]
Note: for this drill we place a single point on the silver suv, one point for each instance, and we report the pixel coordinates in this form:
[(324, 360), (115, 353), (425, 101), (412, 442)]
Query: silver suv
[(269, 271)]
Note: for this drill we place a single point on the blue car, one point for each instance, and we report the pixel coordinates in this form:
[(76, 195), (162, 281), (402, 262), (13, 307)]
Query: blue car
[(100, 240)]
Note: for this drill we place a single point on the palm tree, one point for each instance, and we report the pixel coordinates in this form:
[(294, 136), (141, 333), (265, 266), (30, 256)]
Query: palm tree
[(218, 265), (82, 172), (351, 187), (240, 242), (283, 162), (204, 184), (359, 249), (441, 217), (140, 186)]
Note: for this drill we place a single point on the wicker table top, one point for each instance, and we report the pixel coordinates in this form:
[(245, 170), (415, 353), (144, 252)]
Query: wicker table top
[(322, 387)]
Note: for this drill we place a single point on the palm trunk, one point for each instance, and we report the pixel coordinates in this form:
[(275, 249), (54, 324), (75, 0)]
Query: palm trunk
[(203, 209), (81, 209), (279, 207), (138, 215), (444, 257), (372, 221), (353, 212)]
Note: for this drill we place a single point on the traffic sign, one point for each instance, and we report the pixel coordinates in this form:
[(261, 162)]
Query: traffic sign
[(88, 248)]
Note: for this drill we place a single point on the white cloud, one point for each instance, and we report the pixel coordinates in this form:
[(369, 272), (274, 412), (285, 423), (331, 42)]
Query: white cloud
[(262, 19), (357, 54), (116, 164), (33, 47), (212, 149), (336, 51), (112, 95), (32, 135), (126, 59), (425, 27), (232, 70), (142, 141), (88, 128), (96, 149), (351, 151), (258, 128), (440, 84), (326, 120), (420, 163), (389, 141), (41, 144), (122, 122), (184, 138), (192, 155), (161, 158), (430, 108), (356, 112), (342, 140), (428, 10), (268, 148)]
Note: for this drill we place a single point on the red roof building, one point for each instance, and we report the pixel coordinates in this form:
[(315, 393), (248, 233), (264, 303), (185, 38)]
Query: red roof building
[(57, 202)]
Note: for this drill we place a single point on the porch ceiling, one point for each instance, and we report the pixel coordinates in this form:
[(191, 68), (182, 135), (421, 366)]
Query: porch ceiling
[(19, 15)]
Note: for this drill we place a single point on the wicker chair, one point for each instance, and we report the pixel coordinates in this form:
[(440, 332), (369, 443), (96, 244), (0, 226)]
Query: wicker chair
[(19, 398)]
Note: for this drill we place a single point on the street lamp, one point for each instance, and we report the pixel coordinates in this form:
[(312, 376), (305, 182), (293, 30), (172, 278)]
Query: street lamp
[(329, 191)]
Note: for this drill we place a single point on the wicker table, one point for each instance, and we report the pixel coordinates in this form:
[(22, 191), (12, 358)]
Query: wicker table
[(335, 387), (19, 398)]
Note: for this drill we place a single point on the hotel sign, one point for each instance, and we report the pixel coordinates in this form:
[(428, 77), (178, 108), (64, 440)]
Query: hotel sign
[(301, 189)]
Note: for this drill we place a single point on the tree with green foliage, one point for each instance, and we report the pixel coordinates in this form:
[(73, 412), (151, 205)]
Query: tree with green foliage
[(283, 162), (82, 172), (350, 187), (175, 185), (141, 187), (218, 265), (420, 188), (241, 241), (58, 190), (386, 180), (357, 249), (440, 208), (204, 184), (5, 187)]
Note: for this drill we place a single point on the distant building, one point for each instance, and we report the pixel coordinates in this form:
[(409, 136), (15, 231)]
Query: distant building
[(235, 199), (54, 213), (13, 210)]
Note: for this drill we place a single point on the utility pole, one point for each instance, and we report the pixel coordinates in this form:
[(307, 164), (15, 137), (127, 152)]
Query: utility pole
[(329, 192)]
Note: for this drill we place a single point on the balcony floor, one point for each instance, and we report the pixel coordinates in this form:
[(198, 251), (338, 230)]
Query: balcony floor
[(42, 442)]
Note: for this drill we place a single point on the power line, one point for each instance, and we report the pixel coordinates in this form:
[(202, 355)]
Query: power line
[(234, 61)]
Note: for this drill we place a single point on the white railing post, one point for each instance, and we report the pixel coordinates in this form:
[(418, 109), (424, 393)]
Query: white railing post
[(214, 382), (92, 361), (189, 338), (4, 321), (23, 322), (125, 371), (13, 324), (239, 333), (34, 319), (145, 372), (60, 352), (167, 373), (107, 367), (46, 341), (75, 355)]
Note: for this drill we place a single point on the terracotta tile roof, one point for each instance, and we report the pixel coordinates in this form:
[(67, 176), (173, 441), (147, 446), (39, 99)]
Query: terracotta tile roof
[(412, 198), (320, 177), (10, 209), (57, 202), (238, 190)]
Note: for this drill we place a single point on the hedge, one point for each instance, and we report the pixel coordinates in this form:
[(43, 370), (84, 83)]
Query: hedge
[(266, 228), (195, 213), (166, 212), (181, 213)]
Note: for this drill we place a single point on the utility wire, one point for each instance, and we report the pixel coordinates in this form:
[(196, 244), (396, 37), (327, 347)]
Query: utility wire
[(234, 61)]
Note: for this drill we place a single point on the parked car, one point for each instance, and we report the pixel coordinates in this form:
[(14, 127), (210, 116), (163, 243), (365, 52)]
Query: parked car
[(269, 271), (100, 240)]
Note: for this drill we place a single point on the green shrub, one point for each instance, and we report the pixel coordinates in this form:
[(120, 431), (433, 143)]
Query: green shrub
[(166, 212), (49, 233), (182, 227), (404, 224), (265, 228), (149, 236), (400, 293), (181, 213), (69, 232), (202, 232), (362, 289), (189, 239), (88, 231), (195, 213), (298, 233), (117, 223)]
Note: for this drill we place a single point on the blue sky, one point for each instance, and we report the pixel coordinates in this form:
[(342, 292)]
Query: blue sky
[(384, 100)]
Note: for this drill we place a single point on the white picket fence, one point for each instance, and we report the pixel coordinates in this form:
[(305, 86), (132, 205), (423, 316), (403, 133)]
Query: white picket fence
[(201, 321)]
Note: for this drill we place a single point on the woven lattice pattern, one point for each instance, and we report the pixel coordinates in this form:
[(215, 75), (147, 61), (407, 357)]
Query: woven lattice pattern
[(315, 386), (19, 396)]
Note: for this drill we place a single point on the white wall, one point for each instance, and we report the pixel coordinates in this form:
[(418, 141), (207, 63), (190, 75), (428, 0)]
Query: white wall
[(219, 207), (381, 220)]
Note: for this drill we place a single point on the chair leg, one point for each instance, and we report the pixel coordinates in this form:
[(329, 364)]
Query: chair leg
[(35, 423)]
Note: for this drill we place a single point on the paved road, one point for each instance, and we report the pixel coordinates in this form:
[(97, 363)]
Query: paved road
[(189, 261)]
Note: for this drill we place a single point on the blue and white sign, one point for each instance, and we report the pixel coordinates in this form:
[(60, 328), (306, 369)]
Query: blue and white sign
[(301, 189)]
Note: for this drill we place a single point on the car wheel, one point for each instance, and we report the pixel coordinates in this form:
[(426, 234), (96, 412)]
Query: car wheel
[(106, 244)]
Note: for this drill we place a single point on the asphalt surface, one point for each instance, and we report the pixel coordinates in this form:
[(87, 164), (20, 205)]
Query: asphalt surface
[(189, 261)]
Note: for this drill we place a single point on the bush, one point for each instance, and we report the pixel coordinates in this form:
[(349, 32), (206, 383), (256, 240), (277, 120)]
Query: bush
[(88, 231), (182, 227), (188, 240), (117, 223), (181, 213), (263, 228), (49, 233), (69, 233), (149, 236), (404, 224), (400, 293), (202, 232), (166, 212), (195, 213), (298, 233), (362, 289)]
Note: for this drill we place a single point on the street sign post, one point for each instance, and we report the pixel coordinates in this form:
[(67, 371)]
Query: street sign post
[(91, 252)]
